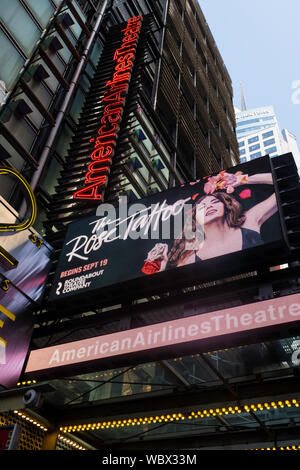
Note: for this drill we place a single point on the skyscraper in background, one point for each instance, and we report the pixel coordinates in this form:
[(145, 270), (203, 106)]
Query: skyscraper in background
[(290, 144), (259, 134)]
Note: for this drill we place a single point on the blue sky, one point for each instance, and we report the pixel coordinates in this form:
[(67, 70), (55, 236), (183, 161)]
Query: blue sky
[(260, 45)]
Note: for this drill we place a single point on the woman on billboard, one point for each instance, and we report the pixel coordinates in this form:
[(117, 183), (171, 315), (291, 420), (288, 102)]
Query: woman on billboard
[(218, 225)]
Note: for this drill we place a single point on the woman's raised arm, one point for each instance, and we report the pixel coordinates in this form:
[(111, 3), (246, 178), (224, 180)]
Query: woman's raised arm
[(258, 214), (260, 178)]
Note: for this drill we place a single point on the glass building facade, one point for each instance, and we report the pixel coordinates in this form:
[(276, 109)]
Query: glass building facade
[(260, 126), (258, 133)]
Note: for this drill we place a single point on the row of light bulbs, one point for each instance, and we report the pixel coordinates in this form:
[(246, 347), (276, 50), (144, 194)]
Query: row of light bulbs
[(151, 419), (273, 404), (122, 423), (43, 428), (28, 382), (280, 448), (175, 417), (31, 420), (72, 443)]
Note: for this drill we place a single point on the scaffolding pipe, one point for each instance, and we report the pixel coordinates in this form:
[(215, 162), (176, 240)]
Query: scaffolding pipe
[(66, 102)]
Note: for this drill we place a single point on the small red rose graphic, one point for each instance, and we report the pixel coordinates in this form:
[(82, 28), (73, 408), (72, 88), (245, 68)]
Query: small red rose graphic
[(246, 194), (151, 267)]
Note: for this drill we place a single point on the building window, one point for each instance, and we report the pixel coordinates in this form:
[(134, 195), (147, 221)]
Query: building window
[(244, 123), (254, 147), (96, 52), (243, 159), (216, 89), (269, 142), (20, 25), (268, 118), (252, 140), (179, 9), (77, 105), (242, 152), (242, 144), (268, 134), (255, 155), (42, 10), (11, 58), (252, 129), (271, 150)]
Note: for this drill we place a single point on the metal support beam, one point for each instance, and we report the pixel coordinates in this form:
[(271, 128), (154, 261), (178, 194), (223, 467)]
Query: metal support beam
[(50, 440), (175, 373), (53, 69), (78, 18), (178, 400), (67, 41), (17, 146), (37, 103)]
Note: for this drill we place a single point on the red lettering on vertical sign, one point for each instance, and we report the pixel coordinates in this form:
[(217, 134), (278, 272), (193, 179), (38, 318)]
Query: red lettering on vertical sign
[(116, 90)]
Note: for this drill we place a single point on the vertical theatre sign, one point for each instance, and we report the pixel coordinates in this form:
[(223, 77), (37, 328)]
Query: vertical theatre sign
[(114, 99)]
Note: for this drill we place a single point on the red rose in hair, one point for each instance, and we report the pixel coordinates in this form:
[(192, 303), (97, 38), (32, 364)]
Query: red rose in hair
[(151, 267), (224, 181)]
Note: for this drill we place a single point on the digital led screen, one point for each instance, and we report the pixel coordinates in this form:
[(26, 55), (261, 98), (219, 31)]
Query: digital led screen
[(21, 288), (214, 224), (184, 335)]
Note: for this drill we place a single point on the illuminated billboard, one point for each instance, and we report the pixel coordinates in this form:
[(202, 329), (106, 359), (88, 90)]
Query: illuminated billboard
[(196, 333), (220, 224), (22, 286)]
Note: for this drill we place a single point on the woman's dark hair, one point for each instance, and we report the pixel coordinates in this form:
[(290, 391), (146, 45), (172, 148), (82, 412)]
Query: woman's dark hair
[(233, 215)]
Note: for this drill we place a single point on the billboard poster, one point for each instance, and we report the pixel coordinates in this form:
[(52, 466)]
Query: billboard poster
[(214, 224), (21, 288)]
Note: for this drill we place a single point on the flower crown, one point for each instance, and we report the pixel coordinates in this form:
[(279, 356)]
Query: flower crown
[(225, 181)]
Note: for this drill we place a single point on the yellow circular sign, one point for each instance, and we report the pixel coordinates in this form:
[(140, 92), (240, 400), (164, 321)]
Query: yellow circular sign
[(30, 199)]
